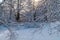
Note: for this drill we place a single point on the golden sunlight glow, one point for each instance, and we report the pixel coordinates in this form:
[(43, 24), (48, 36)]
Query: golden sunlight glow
[(36, 0)]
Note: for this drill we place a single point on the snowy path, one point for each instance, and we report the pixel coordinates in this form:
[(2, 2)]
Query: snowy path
[(46, 31)]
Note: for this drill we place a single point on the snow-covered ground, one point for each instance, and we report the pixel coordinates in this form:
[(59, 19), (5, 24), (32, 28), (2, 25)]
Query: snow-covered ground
[(4, 33), (33, 31)]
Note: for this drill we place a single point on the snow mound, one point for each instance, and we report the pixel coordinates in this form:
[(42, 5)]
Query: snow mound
[(4, 33), (33, 31)]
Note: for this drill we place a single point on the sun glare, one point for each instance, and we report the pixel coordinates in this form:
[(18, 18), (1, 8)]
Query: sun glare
[(36, 0)]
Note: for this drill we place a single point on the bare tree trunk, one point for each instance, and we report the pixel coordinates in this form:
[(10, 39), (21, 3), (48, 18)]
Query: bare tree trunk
[(34, 13), (18, 14), (10, 9)]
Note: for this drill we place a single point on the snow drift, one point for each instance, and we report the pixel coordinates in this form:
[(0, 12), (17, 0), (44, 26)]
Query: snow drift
[(32, 31)]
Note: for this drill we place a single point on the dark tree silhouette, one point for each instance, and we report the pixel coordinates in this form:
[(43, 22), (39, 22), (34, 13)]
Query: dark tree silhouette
[(18, 11), (17, 16)]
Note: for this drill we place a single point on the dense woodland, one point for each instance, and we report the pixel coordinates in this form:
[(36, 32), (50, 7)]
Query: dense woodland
[(30, 11), (21, 14)]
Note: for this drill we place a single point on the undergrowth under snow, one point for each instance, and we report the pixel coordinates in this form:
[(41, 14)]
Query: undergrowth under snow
[(32, 31)]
